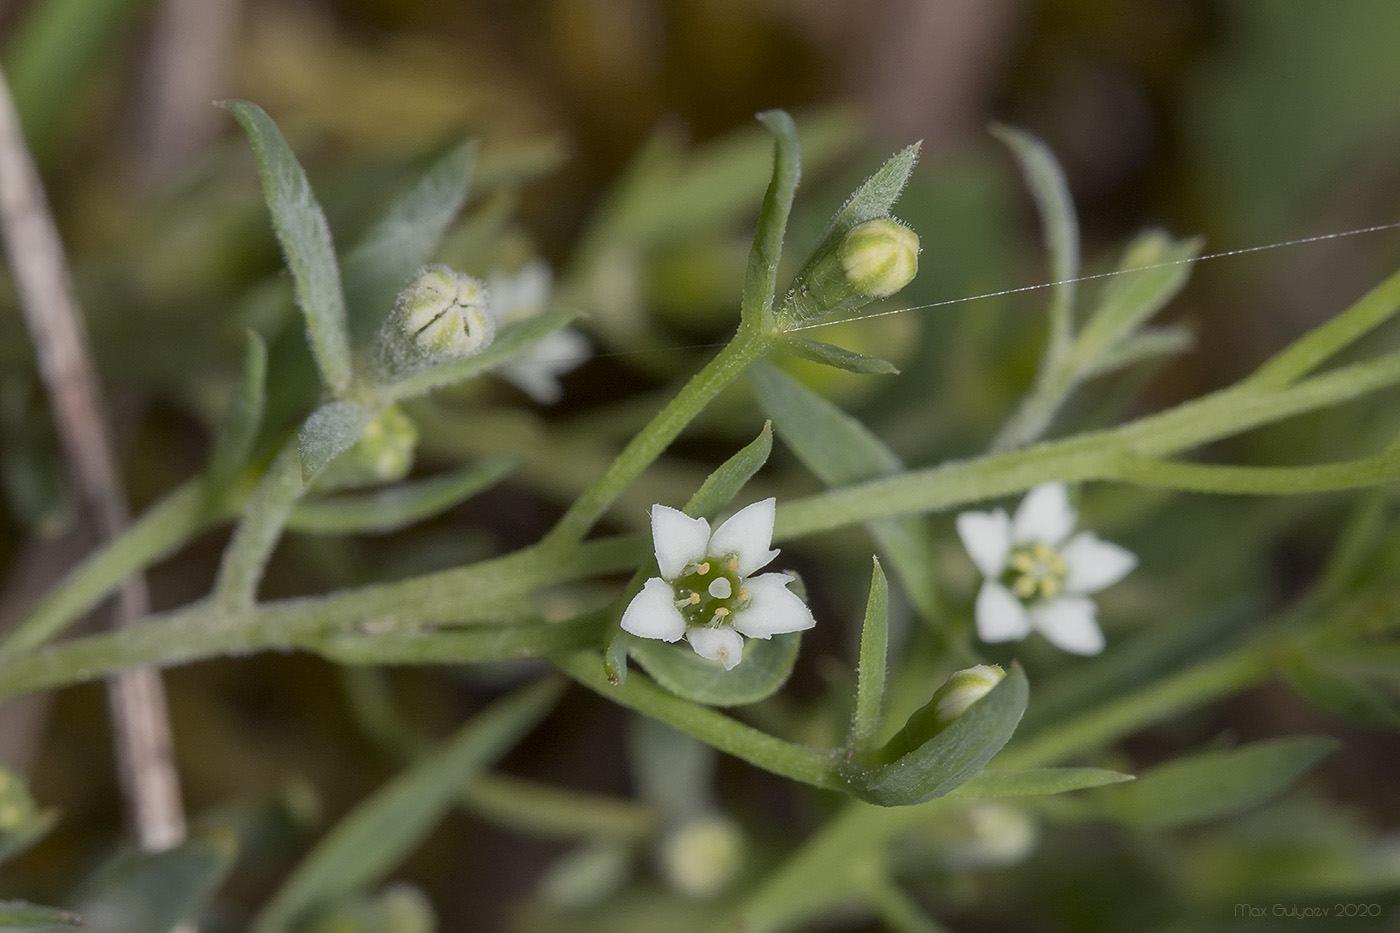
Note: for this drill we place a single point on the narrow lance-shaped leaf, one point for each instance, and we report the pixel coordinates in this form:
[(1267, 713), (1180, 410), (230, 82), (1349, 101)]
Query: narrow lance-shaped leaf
[(330, 430), (398, 506), (829, 354), (1154, 269), (1036, 782), (1327, 688), (1060, 226), (25, 916), (242, 418), (376, 835), (306, 244), (761, 278), (405, 238), (870, 676), (766, 666), (721, 486), (1215, 784)]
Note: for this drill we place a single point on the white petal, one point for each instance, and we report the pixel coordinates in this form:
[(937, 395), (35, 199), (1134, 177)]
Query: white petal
[(678, 539), (536, 371), (718, 644), (747, 533), (652, 613), (1000, 616), (1069, 624), (987, 537), (775, 609), (1044, 515), (1093, 564)]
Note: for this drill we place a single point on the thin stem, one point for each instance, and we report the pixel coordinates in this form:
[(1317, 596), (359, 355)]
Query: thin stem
[(261, 528), (747, 346)]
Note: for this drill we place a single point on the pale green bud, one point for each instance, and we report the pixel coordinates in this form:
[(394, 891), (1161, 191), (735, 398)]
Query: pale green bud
[(444, 313), (703, 855), (383, 454), (880, 256), (964, 688)]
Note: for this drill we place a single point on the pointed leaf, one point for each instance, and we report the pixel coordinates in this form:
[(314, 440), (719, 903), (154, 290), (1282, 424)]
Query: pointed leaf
[(1214, 784), (306, 244), (829, 354), (138, 892), (242, 418), (1327, 688), (1148, 343), (20, 915), (1154, 269), (721, 486), (331, 430), (766, 666), (1036, 782), (870, 676), (761, 278), (1058, 222), (375, 836), (927, 764), (405, 238), (387, 510), (841, 451)]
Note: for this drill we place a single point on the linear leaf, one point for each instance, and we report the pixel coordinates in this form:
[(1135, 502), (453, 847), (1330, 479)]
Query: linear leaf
[(306, 243), (377, 834), (1037, 782), (870, 676), (721, 486), (329, 431), (1154, 269), (762, 275), (242, 418), (21, 915), (829, 354), (398, 506)]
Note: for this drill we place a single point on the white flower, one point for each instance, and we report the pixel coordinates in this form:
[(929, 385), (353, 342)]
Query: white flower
[(707, 592), (524, 295), (1036, 575)]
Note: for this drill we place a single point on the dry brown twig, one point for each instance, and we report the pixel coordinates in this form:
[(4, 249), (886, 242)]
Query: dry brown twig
[(50, 307)]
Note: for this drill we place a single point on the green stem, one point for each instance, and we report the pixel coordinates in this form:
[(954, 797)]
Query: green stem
[(798, 762), (747, 346), (259, 531)]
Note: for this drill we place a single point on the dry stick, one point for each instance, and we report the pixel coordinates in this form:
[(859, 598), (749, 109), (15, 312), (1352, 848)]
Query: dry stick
[(50, 307)]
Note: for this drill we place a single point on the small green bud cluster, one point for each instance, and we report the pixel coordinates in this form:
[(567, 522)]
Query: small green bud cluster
[(383, 454), (873, 259)]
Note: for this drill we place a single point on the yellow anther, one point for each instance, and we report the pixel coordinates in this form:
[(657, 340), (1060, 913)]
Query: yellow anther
[(703, 568), (1049, 586), (695, 599), (1024, 587), (744, 594), (1022, 562), (721, 612), (732, 564)]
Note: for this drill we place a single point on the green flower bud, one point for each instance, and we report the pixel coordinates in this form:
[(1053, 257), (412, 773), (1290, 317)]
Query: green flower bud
[(383, 454), (444, 313), (871, 260), (880, 256), (703, 855), (964, 688)]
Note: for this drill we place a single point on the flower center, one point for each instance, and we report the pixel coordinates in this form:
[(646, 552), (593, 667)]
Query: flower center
[(709, 592), (1035, 571)]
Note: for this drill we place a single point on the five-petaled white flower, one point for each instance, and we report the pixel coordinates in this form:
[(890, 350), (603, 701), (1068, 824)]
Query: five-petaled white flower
[(524, 294), (1036, 575), (707, 592)]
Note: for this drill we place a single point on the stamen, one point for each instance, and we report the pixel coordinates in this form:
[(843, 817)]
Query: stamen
[(694, 598), (703, 568), (744, 594), (1024, 587), (732, 564), (1049, 586)]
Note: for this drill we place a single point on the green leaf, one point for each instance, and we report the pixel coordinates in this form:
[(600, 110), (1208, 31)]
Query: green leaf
[(137, 892), (1215, 784), (842, 451), (934, 765), (396, 507), (721, 486), (1154, 269), (1036, 782), (474, 645), (1148, 343), (405, 238), (510, 342), (239, 426), (1059, 226), (399, 908), (766, 666), (378, 833), (829, 354), (870, 676), (19, 915), (330, 430), (306, 243), (1327, 688), (761, 279), (22, 823)]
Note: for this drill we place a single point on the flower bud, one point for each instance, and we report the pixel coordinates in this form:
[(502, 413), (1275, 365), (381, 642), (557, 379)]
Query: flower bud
[(880, 256), (703, 855), (964, 688), (871, 260), (444, 313), (383, 454)]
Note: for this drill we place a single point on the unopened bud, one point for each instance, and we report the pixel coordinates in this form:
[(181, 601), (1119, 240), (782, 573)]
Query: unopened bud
[(880, 256), (703, 855), (964, 688), (383, 454), (444, 313)]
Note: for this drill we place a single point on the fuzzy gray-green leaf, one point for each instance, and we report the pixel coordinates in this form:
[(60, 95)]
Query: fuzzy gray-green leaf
[(1037, 782), (242, 418), (1154, 269), (762, 275), (306, 244), (329, 431)]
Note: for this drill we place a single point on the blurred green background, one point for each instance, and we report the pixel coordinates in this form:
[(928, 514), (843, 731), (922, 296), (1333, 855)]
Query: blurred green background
[(1248, 122)]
